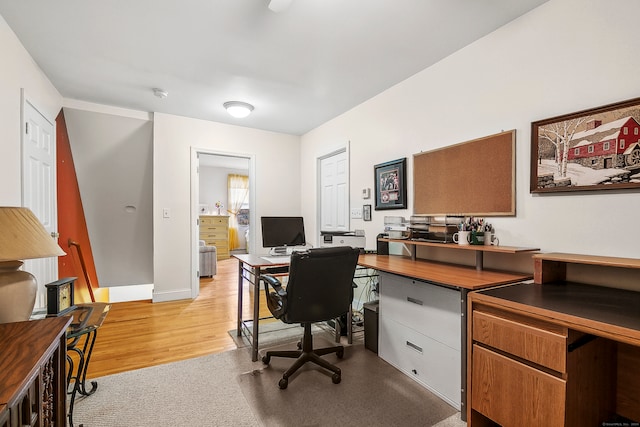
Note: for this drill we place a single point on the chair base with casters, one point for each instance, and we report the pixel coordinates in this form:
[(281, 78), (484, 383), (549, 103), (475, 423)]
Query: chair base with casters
[(306, 353)]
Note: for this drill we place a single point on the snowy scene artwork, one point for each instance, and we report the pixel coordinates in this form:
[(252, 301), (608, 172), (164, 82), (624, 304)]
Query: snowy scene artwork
[(595, 149)]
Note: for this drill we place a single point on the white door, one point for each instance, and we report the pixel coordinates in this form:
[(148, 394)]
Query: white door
[(39, 188), (334, 192)]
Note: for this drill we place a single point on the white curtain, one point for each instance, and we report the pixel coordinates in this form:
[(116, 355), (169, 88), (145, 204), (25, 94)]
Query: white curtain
[(238, 188)]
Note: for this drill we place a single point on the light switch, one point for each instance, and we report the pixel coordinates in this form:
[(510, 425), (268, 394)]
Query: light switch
[(356, 213)]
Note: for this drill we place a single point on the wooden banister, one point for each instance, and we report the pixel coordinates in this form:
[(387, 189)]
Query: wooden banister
[(84, 268)]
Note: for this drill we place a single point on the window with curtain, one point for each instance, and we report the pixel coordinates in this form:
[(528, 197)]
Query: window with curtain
[(238, 187)]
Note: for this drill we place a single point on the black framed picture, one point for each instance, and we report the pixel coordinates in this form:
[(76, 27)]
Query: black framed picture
[(366, 212), (391, 185)]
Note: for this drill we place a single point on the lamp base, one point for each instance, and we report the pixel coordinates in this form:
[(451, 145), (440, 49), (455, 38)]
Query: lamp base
[(17, 292)]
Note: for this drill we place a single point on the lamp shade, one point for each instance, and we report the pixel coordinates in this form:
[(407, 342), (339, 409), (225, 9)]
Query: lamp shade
[(22, 236)]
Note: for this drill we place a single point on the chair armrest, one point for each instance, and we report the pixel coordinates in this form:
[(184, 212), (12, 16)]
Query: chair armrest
[(276, 301)]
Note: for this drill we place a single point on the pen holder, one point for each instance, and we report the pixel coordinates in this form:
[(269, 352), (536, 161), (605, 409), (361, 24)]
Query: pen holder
[(490, 239), (477, 238)]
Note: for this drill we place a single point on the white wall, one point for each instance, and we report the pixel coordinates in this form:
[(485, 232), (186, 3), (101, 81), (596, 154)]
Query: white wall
[(276, 186), (563, 57), (18, 71)]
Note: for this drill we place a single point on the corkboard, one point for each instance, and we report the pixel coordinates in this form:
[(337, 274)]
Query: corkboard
[(472, 178)]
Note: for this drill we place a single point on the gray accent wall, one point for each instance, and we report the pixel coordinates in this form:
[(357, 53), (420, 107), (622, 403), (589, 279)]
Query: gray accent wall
[(114, 165)]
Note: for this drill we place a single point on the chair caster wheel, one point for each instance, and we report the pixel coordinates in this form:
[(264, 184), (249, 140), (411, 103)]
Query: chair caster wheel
[(266, 360), (299, 345), (283, 383), (340, 353), (336, 378)]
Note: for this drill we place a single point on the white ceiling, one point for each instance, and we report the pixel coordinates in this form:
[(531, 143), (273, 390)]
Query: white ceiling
[(300, 67)]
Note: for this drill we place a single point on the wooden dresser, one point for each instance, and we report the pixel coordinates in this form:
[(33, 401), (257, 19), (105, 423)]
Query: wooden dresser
[(555, 352), (214, 230), (32, 372)]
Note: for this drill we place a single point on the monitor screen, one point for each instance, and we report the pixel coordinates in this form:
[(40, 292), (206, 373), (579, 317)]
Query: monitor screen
[(282, 231)]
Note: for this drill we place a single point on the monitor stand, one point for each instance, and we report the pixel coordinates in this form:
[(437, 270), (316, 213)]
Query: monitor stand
[(279, 251)]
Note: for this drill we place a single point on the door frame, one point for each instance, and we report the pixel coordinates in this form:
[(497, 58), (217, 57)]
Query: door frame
[(195, 211), (345, 148)]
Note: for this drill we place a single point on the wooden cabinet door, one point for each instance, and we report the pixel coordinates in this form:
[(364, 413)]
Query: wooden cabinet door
[(514, 394)]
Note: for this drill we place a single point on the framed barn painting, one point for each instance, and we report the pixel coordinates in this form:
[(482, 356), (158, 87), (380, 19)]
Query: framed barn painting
[(597, 149), (391, 185)]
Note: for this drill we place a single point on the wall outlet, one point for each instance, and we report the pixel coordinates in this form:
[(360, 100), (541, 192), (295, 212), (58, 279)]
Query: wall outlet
[(356, 213)]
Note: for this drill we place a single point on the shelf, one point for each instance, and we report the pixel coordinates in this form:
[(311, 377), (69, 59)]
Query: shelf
[(552, 267), (478, 249)]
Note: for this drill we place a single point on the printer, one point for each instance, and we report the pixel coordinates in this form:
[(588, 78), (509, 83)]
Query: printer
[(355, 239)]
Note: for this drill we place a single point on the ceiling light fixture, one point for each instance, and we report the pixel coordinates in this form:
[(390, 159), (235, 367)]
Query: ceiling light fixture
[(162, 94), (279, 5), (238, 109)]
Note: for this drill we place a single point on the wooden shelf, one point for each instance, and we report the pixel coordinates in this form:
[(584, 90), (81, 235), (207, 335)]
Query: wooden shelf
[(552, 267), (478, 249)]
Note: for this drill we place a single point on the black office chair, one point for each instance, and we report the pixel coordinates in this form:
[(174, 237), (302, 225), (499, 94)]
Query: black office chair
[(319, 289)]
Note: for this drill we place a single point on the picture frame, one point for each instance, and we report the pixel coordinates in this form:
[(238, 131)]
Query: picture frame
[(391, 185), (366, 212), (595, 149)]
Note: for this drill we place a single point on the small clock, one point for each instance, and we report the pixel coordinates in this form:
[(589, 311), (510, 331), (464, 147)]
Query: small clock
[(60, 297)]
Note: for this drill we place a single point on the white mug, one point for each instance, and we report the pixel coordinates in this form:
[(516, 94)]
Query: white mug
[(462, 237), (490, 239)]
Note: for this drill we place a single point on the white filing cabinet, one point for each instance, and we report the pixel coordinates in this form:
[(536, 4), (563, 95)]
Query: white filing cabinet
[(420, 333)]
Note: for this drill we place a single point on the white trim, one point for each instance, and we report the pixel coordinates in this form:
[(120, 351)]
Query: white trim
[(106, 109), (173, 295), (130, 293), (195, 212)]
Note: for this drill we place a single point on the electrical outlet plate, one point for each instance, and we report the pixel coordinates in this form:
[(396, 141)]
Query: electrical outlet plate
[(356, 213)]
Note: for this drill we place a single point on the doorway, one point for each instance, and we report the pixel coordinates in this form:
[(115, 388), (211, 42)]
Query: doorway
[(213, 173)]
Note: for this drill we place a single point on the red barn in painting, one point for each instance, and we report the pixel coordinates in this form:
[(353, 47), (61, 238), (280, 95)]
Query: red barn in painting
[(611, 145)]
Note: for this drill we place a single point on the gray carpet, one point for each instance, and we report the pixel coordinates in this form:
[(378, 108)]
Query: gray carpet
[(372, 393), (211, 390)]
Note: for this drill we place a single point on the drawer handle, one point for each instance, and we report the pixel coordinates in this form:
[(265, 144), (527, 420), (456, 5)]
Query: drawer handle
[(415, 347), (415, 301)]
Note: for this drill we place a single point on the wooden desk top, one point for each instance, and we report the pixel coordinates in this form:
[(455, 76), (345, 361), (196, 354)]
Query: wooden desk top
[(254, 260), (602, 311), (25, 346), (441, 273)]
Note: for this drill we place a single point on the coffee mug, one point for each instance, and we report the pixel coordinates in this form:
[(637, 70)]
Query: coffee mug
[(462, 237), (490, 239)]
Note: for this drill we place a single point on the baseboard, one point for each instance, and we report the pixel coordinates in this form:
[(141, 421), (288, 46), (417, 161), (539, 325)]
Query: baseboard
[(130, 293), (171, 296)]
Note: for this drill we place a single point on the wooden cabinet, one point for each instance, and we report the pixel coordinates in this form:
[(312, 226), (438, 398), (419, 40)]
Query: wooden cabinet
[(554, 353), (32, 372), (214, 230)]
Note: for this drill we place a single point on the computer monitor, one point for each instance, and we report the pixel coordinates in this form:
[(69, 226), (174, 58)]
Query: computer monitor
[(282, 231)]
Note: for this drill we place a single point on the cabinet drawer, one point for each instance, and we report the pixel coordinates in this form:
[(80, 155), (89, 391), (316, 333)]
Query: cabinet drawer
[(532, 343), (520, 395), (217, 235), (214, 220), (432, 310), (431, 363)]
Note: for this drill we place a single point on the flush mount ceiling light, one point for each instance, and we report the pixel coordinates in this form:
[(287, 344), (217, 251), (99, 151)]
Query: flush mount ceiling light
[(238, 109), (162, 94)]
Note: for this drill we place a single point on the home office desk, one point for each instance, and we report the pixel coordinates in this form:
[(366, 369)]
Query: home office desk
[(251, 268), (423, 311)]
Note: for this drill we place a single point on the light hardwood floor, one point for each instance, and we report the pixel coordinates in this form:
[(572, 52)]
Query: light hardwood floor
[(141, 333)]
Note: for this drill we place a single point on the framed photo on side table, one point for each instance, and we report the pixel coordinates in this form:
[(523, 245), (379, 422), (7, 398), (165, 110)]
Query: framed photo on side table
[(391, 185)]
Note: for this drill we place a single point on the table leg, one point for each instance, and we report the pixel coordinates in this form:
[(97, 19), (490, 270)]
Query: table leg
[(240, 282), (256, 312)]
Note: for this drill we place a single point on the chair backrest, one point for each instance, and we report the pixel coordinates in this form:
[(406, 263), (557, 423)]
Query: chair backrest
[(320, 285)]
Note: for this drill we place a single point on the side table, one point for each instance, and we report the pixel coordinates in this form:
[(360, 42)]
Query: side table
[(81, 337)]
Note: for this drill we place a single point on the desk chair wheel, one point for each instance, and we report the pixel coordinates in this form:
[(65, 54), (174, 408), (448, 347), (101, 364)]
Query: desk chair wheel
[(266, 359), (283, 383), (340, 354), (336, 378)]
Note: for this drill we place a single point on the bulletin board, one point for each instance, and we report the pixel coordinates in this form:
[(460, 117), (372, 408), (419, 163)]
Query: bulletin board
[(471, 178)]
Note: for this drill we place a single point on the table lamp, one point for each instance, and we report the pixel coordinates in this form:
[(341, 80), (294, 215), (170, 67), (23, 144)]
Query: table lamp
[(22, 236)]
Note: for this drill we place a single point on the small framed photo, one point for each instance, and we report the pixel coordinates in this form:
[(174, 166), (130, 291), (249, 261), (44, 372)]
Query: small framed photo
[(366, 212), (391, 185)]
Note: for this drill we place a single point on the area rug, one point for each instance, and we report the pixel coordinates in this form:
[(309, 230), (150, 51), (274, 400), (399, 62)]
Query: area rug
[(372, 393), (203, 391)]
